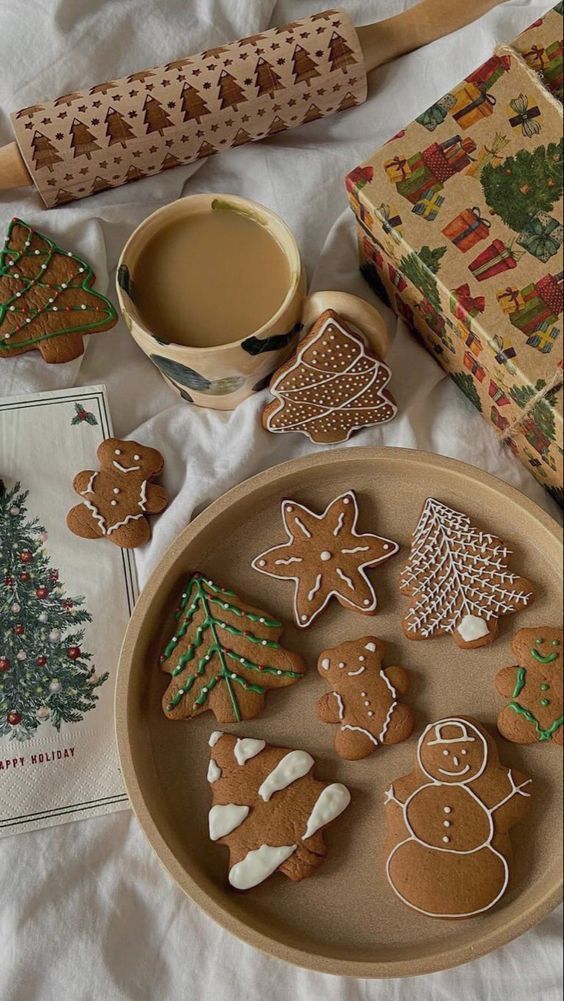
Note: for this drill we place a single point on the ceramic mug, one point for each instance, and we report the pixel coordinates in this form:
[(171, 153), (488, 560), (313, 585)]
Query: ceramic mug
[(222, 376)]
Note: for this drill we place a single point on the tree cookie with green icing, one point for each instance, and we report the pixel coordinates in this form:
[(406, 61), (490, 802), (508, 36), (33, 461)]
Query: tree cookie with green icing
[(534, 686), (269, 809), (47, 302), (224, 655)]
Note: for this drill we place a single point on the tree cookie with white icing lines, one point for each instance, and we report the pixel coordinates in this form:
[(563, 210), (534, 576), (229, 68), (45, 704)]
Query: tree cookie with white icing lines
[(364, 698), (448, 849), (224, 655), (268, 809), (330, 387), (326, 558), (117, 498), (458, 579)]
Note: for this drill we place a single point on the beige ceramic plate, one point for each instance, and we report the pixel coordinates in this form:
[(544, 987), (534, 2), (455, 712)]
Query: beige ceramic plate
[(345, 919)]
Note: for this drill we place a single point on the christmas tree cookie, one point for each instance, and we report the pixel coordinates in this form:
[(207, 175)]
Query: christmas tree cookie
[(458, 579), (326, 558), (224, 655), (47, 301), (330, 387), (268, 809), (534, 686), (448, 853), (46, 678)]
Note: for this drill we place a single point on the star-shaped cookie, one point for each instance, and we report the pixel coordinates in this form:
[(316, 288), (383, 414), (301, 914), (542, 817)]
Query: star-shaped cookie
[(326, 558)]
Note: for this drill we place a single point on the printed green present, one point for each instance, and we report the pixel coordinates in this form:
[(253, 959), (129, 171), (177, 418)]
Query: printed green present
[(542, 236)]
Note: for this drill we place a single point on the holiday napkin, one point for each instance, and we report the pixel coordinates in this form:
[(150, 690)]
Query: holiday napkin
[(64, 606)]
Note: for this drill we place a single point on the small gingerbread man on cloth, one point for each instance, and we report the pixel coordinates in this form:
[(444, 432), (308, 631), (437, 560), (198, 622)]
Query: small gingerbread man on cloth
[(364, 699), (117, 497), (534, 685)]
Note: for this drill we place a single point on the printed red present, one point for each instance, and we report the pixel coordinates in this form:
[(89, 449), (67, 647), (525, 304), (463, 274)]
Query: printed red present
[(493, 261), (448, 158), (553, 70), (396, 278), (551, 290), (359, 177), (474, 367), (370, 251), (498, 394), (474, 343), (490, 71), (405, 311), (533, 313), (467, 229), (498, 419)]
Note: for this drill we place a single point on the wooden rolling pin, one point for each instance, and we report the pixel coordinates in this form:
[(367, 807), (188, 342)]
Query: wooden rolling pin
[(122, 130)]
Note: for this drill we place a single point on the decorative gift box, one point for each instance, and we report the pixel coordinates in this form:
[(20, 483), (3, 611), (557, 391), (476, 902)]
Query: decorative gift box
[(459, 222)]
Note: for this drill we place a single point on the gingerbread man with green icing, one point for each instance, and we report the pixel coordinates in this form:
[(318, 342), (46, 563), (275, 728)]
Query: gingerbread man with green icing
[(534, 685)]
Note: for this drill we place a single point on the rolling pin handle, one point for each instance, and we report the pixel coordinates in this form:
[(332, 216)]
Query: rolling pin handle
[(13, 171)]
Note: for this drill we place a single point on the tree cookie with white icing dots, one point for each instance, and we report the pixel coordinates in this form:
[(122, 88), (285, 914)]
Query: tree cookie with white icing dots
[(364, 698), (117, 498), (326, 558), (330, 387), (458, 579), (268, 809)]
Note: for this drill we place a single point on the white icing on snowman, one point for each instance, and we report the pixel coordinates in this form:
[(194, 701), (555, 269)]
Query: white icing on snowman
[(329, 804), (291, 767), (224, 818), (247, 747), (214, 771)]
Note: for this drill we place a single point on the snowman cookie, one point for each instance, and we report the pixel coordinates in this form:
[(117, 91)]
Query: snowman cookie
[(448, 848), (117, 497), (364, 698), (534, 686)]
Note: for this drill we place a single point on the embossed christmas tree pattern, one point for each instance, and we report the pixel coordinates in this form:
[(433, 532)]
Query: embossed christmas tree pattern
[(458, 579), (224, 656), (269, 809), (46, 299)]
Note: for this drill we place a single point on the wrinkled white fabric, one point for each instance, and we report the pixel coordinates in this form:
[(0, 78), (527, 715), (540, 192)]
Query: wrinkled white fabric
[(87, 911)]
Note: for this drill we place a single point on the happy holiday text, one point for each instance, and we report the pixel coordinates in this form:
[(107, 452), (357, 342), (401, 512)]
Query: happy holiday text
[(39, 758)]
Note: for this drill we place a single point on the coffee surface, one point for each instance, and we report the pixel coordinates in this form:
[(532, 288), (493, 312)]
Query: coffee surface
[(210, 278)]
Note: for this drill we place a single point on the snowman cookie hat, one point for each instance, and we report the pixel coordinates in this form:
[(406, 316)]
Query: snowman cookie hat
[(461, 731), (452, 724)]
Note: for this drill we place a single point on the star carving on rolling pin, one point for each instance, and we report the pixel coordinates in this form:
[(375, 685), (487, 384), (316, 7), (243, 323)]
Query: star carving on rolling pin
[(326, 557)]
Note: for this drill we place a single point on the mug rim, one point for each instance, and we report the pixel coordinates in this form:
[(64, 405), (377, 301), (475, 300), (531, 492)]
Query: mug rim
[(206, 199)]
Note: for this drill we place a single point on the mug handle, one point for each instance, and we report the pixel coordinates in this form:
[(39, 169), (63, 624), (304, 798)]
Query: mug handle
[(354, 310)]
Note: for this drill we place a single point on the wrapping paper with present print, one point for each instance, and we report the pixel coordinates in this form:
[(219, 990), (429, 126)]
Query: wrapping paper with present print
[(460, 228), (64, 607), (156, 119)]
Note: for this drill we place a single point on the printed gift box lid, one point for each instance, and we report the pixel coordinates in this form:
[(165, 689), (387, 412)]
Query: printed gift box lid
[(466, 202)]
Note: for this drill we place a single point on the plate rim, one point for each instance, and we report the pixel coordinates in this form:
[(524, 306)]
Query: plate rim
[(442, 959)]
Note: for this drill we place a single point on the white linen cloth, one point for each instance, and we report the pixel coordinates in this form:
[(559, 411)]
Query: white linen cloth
[(87, 912)]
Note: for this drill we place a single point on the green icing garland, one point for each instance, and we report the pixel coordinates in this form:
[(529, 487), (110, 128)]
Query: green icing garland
[(9, 259), (542, 733), (203, 594)]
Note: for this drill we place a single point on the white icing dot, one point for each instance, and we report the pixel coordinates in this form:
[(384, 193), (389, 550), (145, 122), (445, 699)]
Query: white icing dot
[(279, 672), (137, 457), (346, 500), (117, 451), (464, 751), (325, 555), (342, 663), (363, 695), (447, 809), (446, 840), (385, 546), (116, 491), (83, 306), (326, 663), (367, 703), (362, 657), (233, 675), (370, 713), (64, 285), (303, 618), (261, 563), (446, 753), (446, 823), (113, 503), (366, 601)]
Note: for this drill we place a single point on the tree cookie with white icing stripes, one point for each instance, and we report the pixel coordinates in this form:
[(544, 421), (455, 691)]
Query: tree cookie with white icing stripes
[(326, 558), (269, 809), (458, 579), (364, 698), (331, 386), (117, 498), (224, 655)]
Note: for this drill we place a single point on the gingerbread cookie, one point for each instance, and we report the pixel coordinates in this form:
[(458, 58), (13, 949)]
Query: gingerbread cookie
[(330, 387), (458, 579), (117, 497), (326, 558), (268, 809), (364, 698), (47, 301), (448, 849), (534, 685), (224, 655)]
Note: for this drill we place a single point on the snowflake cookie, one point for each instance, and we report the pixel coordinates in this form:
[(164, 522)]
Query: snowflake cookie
[(268, 809), (448, 849), (330, 387), (326, 558), (224, 655), (458, 579)]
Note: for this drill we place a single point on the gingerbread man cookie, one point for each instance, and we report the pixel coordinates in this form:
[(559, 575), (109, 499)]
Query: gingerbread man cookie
[(534, 685), (364, 699), (458, 579), (326, 558), (118, 496), (330, 387), (448, 849)]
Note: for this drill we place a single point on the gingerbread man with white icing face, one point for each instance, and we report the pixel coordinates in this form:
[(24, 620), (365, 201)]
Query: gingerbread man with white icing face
[(117, 497), (448, 847)]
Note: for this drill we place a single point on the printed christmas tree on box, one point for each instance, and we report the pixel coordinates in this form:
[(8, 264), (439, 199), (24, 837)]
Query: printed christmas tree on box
[(460, 230)]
